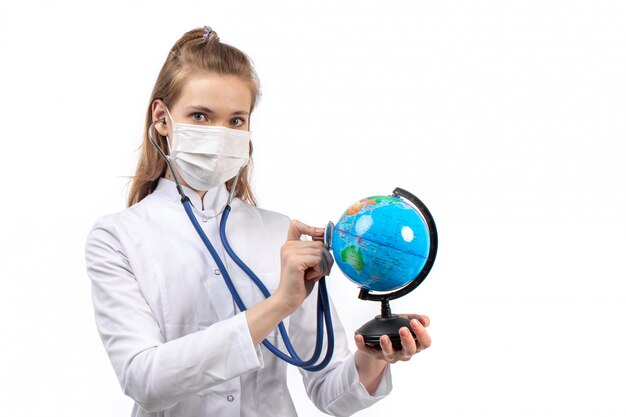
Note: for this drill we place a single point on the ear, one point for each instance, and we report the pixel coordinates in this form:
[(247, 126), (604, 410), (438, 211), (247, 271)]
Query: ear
[(159, 113)]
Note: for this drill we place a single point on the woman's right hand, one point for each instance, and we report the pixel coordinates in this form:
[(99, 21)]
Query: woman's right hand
[(303, 263)]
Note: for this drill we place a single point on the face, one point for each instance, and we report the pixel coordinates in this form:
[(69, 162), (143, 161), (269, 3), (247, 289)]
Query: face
[(208, 99)]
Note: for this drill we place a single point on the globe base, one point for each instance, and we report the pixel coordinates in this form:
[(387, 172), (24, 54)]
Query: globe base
[(374, 329)]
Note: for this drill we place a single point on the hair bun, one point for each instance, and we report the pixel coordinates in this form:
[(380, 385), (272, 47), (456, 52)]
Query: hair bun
[(209, 34)]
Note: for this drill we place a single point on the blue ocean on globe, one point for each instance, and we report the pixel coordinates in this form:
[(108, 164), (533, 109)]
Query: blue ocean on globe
[(381, 243)]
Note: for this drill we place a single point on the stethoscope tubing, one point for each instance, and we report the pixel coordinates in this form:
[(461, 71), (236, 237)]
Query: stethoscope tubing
[(323, 303), (323, 310)]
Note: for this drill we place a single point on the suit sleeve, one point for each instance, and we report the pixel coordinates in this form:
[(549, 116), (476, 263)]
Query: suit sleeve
[(154, 373)]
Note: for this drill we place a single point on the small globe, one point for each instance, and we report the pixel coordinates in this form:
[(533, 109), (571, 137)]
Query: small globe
[(381, 243)]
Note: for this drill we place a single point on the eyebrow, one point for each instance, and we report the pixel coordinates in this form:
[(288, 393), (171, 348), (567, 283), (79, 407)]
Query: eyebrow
[(209, 111)]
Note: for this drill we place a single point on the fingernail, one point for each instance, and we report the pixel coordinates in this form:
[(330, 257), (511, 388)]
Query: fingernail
[(415, 323)]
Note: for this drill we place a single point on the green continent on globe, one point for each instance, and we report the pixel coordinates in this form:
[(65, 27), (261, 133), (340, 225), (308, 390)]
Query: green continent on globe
[(369, 201), (352, 256), (384, 198)]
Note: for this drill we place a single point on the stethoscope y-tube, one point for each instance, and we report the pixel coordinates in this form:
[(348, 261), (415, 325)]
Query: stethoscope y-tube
[(323, 304)]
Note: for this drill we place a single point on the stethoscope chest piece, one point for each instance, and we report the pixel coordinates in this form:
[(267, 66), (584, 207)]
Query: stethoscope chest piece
[(328, 235)]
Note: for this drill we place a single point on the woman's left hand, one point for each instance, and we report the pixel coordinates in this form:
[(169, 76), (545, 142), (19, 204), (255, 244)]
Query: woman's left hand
[(410, 346)]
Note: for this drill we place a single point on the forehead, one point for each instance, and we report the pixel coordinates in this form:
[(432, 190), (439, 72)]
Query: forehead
[(216, 91)]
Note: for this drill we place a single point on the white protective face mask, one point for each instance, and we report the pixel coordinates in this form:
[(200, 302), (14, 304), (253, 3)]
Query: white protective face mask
[(207, 156)]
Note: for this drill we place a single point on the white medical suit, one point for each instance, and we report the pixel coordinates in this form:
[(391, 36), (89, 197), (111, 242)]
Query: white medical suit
[(178, 344)]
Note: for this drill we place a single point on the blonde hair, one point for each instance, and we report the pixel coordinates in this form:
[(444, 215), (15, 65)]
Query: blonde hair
[(194, 51)]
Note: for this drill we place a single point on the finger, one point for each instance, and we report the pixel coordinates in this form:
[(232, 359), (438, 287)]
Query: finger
[(360, 342), (313, 275), (423, 338), (425, 320), (387, 348), (297, 229), (292, 251), (317, 270), (308, 262), (361, 345), (305, 248), (324, 260), (409, 346)]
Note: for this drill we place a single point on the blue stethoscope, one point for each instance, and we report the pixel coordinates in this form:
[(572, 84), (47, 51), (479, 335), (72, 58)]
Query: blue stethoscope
[(323, 305)]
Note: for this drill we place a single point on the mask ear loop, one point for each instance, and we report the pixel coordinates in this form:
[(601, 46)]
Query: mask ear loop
[(232, 189), (167, 160)]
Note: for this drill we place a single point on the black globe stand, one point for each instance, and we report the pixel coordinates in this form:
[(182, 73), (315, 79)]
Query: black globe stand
[(387, 323)]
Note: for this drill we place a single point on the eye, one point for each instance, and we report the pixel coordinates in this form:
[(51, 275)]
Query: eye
[(198, 117), (238, 122)]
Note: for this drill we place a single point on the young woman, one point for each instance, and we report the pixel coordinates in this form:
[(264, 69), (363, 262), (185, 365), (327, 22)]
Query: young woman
[(179, 344)]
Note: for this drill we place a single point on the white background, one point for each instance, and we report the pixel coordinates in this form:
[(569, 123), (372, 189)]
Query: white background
[(506, 117)]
